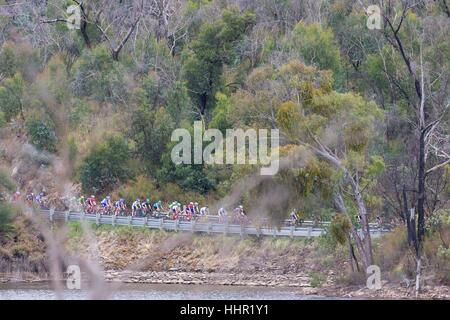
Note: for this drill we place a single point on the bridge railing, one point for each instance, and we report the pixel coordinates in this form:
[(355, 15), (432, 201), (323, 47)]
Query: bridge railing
[(210, 227)]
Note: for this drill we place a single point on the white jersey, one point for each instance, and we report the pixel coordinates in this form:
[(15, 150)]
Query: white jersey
[(204, 211)]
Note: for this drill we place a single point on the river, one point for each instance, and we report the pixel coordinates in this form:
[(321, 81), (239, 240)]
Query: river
[(44, 291)]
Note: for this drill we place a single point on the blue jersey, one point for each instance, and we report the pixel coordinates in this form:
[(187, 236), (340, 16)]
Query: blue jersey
[(104, 203)]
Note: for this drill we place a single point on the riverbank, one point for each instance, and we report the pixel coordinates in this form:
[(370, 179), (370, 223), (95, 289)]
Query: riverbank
[(130, 255), (300, 284)]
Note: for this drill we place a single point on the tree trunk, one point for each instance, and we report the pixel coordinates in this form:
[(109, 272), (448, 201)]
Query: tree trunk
[(83, 29), (421, 191), (418, 274)]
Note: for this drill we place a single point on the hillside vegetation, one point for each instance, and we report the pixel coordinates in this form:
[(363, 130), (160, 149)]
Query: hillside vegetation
[(363, 114)]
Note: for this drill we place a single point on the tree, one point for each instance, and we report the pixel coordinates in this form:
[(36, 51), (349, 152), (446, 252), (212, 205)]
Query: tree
[(425, 62), (106, 166), (338, 129), (95, 75), (151, 130), (214, 47), (118, 18), (41, 131), (11, 100), (317, 46)]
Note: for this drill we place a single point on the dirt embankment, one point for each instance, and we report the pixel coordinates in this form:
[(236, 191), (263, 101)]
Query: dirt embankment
[(148, 256), (158, 257), (23, 251)]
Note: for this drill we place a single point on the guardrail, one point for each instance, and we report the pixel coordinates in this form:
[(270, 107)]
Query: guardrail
[(209, 227)]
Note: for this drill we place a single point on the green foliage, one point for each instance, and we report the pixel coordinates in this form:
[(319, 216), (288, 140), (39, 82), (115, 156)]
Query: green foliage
[(5, 182), (106, 166), (78, 112), (6, 210), (318, 47), (340, 228), (178, 103), (151, 129), (41, 131), (11, 91), (221, 117), (188, 177), (96, 75), (8, 62), (317, 279), (213, 47), (2, 119)]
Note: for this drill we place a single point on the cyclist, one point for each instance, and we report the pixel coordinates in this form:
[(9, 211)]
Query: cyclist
[(81, 201), (204, 211), (135, 206), (294, 217), (106, 204), (149, 205), (222, 213), (175, 209), (16, 195), (157, 206), (117, 206), (91, 203), (145, 206), (190, 208), (196, 208), (240, 214)]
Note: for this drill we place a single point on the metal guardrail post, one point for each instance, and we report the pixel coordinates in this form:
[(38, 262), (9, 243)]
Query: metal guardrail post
[(193, 226), (177, 224), (226, 228), (145, 221), (97, 218), (309, 232), (130, 218), (208, 228), (51, 213), (161, 221), (66, 216), (274, 232), (292, 231), (113, 220)]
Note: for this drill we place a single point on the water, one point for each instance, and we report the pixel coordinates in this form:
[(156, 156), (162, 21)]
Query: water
[(44, 291)]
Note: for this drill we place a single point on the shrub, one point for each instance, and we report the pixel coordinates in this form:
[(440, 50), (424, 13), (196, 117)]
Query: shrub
[(41, 131), (6, 217), (340, 227), (2, 119), (106, 166)]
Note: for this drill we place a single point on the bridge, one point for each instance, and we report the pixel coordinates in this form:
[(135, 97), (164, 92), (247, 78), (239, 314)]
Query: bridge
[(208, 225)]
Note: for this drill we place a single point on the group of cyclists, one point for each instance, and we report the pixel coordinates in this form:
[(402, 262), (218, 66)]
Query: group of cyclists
[(145, 208)]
